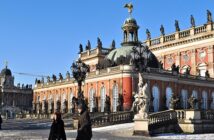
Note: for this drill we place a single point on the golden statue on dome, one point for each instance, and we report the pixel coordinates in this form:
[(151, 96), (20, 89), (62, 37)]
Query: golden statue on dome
[(129, 6)]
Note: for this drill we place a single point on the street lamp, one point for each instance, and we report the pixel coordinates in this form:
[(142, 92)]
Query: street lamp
[(79, 71)]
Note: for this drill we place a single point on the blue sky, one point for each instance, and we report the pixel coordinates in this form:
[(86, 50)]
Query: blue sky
[(43, 36)]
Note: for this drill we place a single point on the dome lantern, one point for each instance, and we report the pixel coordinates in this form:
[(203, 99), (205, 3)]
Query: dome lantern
[(130, 29)]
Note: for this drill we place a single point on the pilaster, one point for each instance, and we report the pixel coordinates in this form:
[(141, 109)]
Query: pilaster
[(210, 61), (193, 62)]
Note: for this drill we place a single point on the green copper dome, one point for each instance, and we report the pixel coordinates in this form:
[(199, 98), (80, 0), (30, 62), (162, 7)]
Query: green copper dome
[(130, 20), (122, 51), (6, 72)]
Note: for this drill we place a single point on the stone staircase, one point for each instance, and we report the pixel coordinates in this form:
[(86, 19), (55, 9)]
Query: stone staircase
[(181, 121)]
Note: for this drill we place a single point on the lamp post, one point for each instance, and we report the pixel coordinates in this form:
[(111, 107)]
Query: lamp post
[(79, 71)]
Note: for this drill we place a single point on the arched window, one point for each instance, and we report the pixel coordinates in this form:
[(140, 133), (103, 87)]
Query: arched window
[(91, 99), (155, 94), (184, 98), (212, 104), (195, 94), (102, 98), (168, 96), (115, 98), (204, 100)]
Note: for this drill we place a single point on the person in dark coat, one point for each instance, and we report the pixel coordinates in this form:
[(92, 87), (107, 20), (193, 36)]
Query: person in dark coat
[(84, 131), (57, 131), (0, 121)]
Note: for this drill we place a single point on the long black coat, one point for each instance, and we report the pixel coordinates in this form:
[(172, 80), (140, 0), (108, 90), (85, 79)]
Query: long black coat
[(84, 131), (57, 131)]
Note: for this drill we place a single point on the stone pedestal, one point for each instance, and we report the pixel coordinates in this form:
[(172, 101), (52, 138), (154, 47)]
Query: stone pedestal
[(192, 115), (192, 122), (141, 127), (75, 123)]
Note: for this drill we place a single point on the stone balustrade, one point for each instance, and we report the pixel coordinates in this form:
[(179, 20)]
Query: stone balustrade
[(161, 118), (207, 115), (95, 51), (113, 118), (200, 29), (181, 115), (179, 75), (169, 38), (180, 35), (83, 54), (155, 41), (184, 34)]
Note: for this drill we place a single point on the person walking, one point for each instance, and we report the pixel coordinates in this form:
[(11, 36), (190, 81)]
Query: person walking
[(0, 121), (84, 131), (57, 131)]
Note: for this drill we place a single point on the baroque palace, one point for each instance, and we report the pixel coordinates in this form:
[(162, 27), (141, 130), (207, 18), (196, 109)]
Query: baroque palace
[(14, 99), (180, 64)]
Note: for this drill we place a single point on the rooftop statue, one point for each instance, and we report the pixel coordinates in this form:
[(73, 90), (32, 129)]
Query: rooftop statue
[(99, 43), (60, 76), (48, 79), (112, 45), (148, 34), (162, 30), (177, 28), (68, 76), (54, 78), (192, 20), (209, 16), (89, 44), (129, 6), (81, 49)]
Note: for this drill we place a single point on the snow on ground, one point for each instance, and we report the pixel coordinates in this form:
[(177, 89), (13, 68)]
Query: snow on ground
[(114, 127), (185, 136)]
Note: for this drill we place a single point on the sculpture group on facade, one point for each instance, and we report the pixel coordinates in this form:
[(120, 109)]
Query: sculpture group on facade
[(107, 104), (175, 69), (192, 102), (173, 103)]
